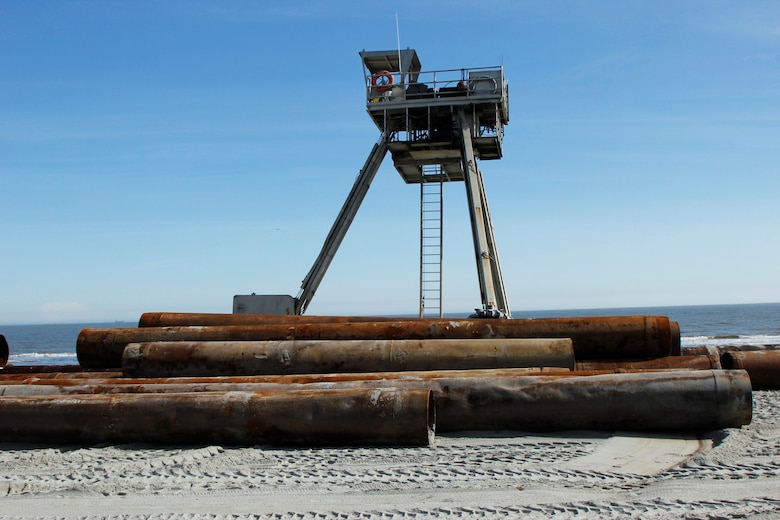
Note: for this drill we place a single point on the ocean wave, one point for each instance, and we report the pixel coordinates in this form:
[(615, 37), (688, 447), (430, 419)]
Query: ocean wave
[(43, 358)]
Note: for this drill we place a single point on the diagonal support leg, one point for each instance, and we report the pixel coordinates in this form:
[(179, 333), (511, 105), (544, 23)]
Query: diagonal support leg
[(342, 223)]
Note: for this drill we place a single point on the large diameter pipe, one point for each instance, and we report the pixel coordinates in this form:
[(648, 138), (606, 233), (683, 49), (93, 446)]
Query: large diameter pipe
[(120, 384), (115, 382), (699, 400), (3, 351), (665, 363), (215, 358), (435, 380), (681, 401), (264, 383), (117, 378), (188, 319), (306, 417), (593, 338), (763, 366)]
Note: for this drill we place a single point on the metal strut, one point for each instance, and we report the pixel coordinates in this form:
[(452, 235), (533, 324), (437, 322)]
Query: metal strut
[(491, 282), (342, 223)]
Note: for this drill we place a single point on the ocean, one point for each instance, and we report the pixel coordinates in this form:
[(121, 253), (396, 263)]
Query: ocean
[(744, 324)]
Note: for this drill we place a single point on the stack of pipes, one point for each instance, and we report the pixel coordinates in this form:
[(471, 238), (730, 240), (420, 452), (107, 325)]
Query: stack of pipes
[(252, 379)]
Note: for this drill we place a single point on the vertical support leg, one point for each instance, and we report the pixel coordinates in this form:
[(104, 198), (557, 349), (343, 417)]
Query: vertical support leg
[(491, 283)]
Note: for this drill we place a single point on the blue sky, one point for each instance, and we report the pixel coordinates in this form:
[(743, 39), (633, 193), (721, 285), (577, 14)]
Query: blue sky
[(168, 155)]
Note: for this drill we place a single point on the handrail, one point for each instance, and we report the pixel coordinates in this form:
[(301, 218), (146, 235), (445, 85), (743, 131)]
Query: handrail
[(480, 82)]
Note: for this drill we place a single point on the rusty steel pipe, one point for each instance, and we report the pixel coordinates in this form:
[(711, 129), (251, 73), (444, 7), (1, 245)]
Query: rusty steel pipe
[(214, 358), (293, 379), (666, 363), (117, 378), (593, 338), (22, 375), (659, 401), (674, 330), (305, 417), (290, 379), (763, 366), (698, 350), (47, 369), (712, 352), (119, 381), (174, 386), (697, 400), (435, 380), (721, 349), (188, 319), (3, 351), (265, 383)]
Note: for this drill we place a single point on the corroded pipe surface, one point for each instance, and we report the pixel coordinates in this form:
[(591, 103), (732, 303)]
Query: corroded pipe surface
[(215, 358), (116, 378), (676, 349), (292, 379), (659, 401), (417, 379), (763, 366), (37, 374), (668, 362), (236, 384), (721, 349), (330, 417), (187, 319), (593, 338), (711, 352), (3, 351), (698, 400), (46, 369)]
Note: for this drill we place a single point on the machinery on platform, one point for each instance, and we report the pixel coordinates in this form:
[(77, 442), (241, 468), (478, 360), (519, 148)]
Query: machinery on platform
[(435, 124)]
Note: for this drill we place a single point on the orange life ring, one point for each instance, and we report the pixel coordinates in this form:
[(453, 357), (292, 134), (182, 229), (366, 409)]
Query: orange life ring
[(382, 80)]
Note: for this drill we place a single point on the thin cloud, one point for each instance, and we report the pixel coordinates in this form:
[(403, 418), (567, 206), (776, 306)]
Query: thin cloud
[(62, 311)]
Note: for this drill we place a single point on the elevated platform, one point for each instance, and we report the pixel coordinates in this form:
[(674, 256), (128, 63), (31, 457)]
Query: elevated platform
[(419, 107)]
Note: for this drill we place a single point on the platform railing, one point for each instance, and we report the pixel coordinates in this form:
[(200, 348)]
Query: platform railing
[(436, 86)]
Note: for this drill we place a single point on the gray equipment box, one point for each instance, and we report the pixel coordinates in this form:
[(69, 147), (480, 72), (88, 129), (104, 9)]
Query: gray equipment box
[(263, 304)]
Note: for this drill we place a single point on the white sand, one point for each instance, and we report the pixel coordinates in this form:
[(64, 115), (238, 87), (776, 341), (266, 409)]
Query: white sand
[(728, 474)]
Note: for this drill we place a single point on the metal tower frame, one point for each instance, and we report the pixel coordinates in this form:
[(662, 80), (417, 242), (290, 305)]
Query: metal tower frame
[(446, 118)]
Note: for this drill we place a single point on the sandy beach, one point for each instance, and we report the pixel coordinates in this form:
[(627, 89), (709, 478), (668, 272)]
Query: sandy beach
[(732, 473)]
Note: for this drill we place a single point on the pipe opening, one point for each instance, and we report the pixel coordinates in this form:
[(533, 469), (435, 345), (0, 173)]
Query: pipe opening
[(3, 351), (730, 361)]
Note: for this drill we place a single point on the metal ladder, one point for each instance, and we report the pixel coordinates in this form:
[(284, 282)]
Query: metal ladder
[(431, 205)]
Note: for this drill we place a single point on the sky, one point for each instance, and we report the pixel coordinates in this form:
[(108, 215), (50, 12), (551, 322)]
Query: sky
[(165, 156)]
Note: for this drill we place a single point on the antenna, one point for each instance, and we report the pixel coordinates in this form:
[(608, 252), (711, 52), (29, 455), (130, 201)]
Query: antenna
[(398, 37)]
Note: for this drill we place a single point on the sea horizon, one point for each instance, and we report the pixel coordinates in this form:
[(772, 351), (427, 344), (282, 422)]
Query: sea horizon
[(585, 311)]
